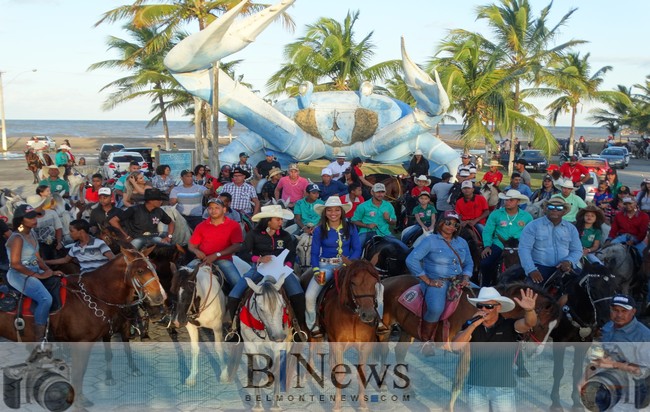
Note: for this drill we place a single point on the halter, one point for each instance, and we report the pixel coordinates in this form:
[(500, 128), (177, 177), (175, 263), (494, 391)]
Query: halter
[(194, 310), (355, 305), (255, 324), (585, 329)]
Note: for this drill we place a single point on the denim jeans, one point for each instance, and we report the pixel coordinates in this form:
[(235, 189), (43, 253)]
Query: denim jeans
[(227, 267), (313, 290), (138, 242), (627, 237), (481, 398), (35, 290), (436, 298), (291, 284), (490, 266)]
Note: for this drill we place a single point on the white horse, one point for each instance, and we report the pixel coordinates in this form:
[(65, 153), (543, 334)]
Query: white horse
[(264, 319), (201, 303), (491, 194), (9, 201), (618, 260), (182, 231)]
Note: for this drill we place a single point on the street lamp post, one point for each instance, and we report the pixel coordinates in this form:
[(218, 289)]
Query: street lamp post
[(2, 110)]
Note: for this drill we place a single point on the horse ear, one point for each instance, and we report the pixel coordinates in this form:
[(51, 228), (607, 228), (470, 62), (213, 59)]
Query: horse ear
[(173, 268), (148, 250), (127, 252), (194, 272), (256, 288), (280, 282)]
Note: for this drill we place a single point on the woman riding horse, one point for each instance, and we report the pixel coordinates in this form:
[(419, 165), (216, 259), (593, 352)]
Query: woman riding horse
[(437, 261)]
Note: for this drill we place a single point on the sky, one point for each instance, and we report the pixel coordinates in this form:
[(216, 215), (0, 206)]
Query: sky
[(59, 40)]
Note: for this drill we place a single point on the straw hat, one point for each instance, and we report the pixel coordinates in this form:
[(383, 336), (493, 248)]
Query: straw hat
[(332, 201), (274, 171), (35, 201), (491, 294), (495, 163), (273, 211), (423, 178), (513, 194), (567, 184)]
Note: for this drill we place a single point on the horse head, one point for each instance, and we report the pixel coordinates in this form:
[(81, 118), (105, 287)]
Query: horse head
[(184, 287), (358, 290), (142, 275), (589, 297), (113, 238), (269, 306)]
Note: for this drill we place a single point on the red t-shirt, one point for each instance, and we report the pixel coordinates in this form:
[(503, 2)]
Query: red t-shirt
[(91, 195), (417, 190), (212, 239), (357, 171), (493, 177), (575, 173), (357, 202), (469, 210)]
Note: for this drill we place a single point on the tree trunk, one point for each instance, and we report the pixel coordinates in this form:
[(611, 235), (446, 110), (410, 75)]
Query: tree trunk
[(574, 109), (214, 147), (515, 106), (198, 128), (161, 103)]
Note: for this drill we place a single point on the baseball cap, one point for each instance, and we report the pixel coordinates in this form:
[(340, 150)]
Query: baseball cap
[(465, 156), (624, 301), (216, 200), (326, 171), (243, 154), (378, 187), (629, 200), (26, 211), (451, 214), (186, 172), (294, 166), (104, 191), (313, 187), (548, 177), (467, 183), (269, 153)]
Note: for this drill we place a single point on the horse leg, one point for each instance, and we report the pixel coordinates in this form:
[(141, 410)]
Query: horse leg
[(579, 354), (135, 371), (193, 331), (462, 369), (80, 358), (558, 372), (363, 360), (218, 348), (108, 358)]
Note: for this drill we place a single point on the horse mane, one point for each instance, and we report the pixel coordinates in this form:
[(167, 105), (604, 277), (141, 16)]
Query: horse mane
[(270, 295), (345, 277), (166, 252)]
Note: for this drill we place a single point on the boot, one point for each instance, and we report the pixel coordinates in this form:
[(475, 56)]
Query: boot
[(428, 330), (231, 308), (39, 333), (379, 298), (41, 347), (299, 308)]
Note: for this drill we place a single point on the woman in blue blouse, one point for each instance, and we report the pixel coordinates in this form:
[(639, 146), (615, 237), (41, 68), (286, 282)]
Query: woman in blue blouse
[(436, 261), (334, 243)]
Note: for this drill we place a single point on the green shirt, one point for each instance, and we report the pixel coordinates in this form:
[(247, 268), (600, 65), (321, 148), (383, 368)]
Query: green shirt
[(576, 204), (368, 213), (425, 214), (589, 236), (56, 186), (508, 227), (306, 211)]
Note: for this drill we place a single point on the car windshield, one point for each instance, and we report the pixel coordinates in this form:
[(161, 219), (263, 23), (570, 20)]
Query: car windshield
[(613, 152), (592, 162), (113, 146), (126, 159)]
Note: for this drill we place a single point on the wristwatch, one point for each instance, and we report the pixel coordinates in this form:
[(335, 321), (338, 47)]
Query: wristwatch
[(170, 236), (218, 254)]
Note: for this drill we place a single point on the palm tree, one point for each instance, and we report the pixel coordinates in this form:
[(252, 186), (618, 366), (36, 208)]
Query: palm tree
[(148, 77), (614, 116), (571, 80), (524, 40), (329, 57), (171, 16)]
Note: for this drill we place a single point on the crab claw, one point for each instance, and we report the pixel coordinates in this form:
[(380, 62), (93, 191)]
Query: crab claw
[(430, 96), (225, 36)]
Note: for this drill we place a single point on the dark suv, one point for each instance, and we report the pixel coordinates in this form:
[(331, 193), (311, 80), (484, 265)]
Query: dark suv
[(106, 149), (144, 151)]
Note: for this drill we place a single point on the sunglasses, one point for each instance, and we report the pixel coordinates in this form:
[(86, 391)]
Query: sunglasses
[(452, 223), (486, 305), (554, 207)]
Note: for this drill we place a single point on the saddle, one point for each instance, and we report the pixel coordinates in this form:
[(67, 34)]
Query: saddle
[(10, 298)]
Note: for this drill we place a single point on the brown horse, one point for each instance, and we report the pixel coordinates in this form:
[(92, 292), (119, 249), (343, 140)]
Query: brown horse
[(348, 315), (35, 163), (93, 307)]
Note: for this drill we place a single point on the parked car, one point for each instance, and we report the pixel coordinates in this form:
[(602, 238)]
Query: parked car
[(535, 160), (106, 149), (615, 156), (47, 140), (591, 186), (118, 162), (596, 164), (144, 151)]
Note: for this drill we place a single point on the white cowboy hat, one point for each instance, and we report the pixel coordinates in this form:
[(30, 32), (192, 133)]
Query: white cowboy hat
[(273, 211), (423, 177), (513, 194), (64, 146), (418, 152), (488, 294), (332, 201), (341, 155), (36, 201), (567, 184), (495, 163)]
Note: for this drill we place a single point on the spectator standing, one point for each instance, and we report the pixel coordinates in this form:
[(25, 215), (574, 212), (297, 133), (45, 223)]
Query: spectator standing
[(244, 196), (291, 188), (189, 197), (338, 166)]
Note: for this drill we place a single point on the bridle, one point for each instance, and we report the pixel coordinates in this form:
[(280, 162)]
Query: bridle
[(354, 306), (195, 309), (585, 329)]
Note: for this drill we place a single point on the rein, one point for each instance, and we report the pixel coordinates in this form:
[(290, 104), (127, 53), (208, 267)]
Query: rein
[(399, 191), (585, 329), (194, 312), (354, 305)]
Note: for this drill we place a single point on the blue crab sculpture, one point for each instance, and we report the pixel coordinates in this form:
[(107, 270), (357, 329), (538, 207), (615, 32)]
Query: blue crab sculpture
[(313, 125)]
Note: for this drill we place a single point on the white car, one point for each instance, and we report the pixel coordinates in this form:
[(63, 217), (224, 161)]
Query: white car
[(43, 141), (591, 187), (118, 163)]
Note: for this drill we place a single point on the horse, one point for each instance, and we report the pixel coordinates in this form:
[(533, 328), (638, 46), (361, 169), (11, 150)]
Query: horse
[(491, 193), (200, 304), (510, 254), (182, 231), (475, 243), (617, 257), (9, 201), (93, 307), (33, 164), (389, 258)]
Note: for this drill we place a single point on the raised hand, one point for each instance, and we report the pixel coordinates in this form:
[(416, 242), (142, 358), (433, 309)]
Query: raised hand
[(528, 299)]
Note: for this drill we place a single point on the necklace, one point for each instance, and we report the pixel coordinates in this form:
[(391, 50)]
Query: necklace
[(513, 218)]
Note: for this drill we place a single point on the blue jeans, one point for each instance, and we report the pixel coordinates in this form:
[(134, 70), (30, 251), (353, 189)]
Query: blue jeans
[(313, 290), (35, 290), (490, 266), (291, 284), (138, 242), (627, 237), (227, 267), (364, 237), (546, 271), (481, 398), (436, 298)]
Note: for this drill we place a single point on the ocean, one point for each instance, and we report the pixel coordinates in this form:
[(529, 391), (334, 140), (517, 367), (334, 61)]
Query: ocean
[(184, 129)]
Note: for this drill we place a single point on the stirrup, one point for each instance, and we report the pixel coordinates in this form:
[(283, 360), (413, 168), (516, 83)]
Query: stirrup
[(299, 336), (232, 333), (316, 332)]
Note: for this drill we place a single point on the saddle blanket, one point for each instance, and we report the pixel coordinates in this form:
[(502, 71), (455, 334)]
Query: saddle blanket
[(27, 301), (413, 300)]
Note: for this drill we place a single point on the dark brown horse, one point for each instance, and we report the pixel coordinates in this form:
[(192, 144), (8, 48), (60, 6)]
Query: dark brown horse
[(348, 315), (93, 308), (35, 164), (475, 243)]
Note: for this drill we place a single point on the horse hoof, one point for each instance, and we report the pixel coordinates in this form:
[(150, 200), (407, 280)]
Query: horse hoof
[(136, 372), (110, 382), (257, 408), (276, 408), (190, 382)]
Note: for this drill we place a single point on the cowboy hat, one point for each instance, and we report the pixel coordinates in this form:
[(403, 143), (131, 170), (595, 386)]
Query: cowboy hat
[(488, 294), (239, 170), (332, 201), (341, 155), (567, 184), (423, 178), (600, 215), (495, 163), (155, 194), (274, 171), (513, 194), (64, 146), (418, 152), (273, 211), (36, 201), (26, 211)]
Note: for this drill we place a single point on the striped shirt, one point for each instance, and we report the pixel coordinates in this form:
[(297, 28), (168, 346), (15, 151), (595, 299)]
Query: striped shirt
[(91, 256), (190, 199), (241, 197)]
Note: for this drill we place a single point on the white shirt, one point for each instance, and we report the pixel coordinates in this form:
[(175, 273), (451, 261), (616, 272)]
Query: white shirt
[(337, 169)]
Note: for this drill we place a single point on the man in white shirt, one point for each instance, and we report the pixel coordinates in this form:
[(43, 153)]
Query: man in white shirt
[(338, 166)]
